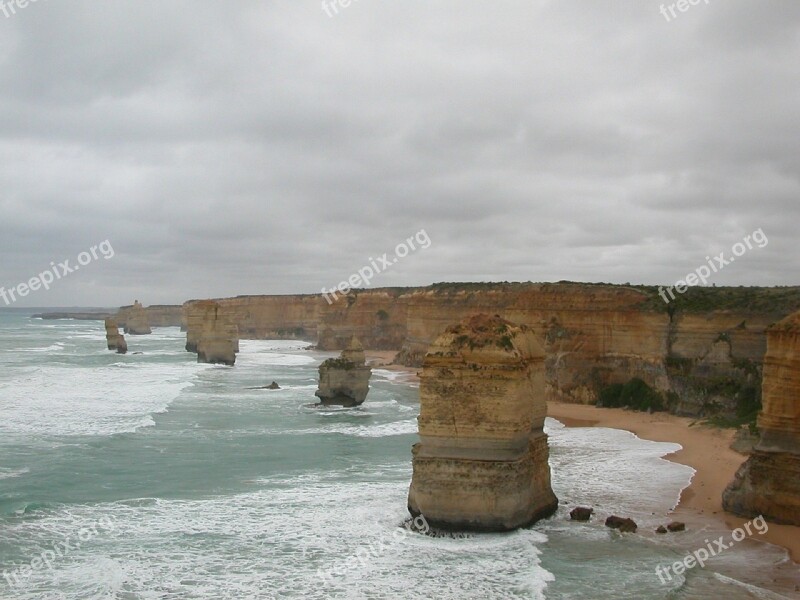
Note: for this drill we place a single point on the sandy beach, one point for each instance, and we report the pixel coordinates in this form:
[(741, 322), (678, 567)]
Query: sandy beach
[(382, 359), (705, 449)]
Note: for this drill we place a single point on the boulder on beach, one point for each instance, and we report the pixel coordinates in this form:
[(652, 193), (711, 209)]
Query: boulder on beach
[(676, 526)]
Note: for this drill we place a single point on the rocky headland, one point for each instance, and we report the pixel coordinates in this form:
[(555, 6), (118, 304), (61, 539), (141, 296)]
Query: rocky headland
[(482, 460)]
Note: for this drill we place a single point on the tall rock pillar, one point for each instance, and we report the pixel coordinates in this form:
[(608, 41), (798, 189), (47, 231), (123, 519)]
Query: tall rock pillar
[(482, 461)]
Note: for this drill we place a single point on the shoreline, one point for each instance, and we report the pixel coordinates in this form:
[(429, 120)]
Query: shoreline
[(383, 359), (703, 448)]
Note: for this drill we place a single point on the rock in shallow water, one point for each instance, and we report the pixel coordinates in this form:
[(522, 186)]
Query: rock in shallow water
[(623, 524), (581, 513), (344, 381)]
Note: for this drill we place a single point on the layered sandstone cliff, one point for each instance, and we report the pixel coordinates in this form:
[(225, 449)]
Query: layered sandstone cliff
[(702, 355), (482, 460), (344, 381), (768, 483), (136, 320), (267, 317), (217, 339)]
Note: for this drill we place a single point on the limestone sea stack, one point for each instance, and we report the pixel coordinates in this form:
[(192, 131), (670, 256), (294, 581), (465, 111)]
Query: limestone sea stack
[(344, 381), (218, 339), (112, 333), (482, 461), (768, 483), (114, 340), (137, 322)]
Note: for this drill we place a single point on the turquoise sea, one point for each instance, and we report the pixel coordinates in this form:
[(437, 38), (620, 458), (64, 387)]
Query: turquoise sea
[(149, 476)]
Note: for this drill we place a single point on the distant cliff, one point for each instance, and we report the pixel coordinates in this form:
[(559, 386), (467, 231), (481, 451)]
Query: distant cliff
[(702, 352), (158, 315)]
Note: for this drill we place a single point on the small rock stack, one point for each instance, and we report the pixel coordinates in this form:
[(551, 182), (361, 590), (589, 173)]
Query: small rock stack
[(114, 340), (344, 381)]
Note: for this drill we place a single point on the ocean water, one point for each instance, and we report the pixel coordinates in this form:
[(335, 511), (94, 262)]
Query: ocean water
[(149, 476)]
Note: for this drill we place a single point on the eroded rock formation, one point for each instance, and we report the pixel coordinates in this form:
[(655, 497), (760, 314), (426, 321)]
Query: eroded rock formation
[(482, 460), (137, 322), (112, 333), (217, 339), (344, 381), (115, 340), (768, 483)]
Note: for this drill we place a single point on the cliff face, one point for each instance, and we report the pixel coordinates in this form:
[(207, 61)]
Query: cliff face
[(768, 482), (275, 317), (703, 360), (344, 381), (377, 317), (482, 460)]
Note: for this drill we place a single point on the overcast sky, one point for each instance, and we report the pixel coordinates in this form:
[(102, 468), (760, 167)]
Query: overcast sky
[(263, 147)]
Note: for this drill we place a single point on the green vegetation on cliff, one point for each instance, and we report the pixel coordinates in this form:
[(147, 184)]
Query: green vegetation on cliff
[(635, 394)]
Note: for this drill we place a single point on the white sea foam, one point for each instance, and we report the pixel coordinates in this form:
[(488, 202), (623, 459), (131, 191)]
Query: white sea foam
[(279, 543), (56, 400), (612, 469), (10, 473)]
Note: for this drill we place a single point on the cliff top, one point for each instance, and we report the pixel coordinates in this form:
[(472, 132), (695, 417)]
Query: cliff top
[(790, 323), (769, 300)]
